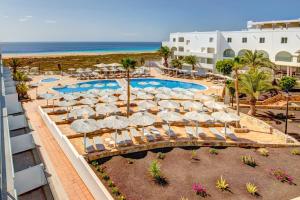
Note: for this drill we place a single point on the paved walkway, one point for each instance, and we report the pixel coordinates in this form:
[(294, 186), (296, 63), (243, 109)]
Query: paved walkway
[(71, 181)]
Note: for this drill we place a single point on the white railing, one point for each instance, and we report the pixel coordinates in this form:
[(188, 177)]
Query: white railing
[(95, 186)]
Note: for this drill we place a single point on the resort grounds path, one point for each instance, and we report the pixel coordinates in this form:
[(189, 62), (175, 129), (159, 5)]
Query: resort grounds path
[(67, 175)]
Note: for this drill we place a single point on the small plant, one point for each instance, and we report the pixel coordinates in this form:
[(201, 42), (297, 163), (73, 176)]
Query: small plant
[(122, 197), (115, 191), (111, 183), (183, 198), (295, 152), (100, 169), (222, 184), (194, 155), (161, 155), (281, 175), (199, 189), (248, 160), (251, 188), (94, 163), (154, 170), (129, 161), (105, 176), (213, 151), (263, 152)]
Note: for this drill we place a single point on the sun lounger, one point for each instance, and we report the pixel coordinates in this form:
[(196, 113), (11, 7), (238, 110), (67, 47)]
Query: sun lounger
[(217, 134), (199, 132), (229, 133), (190, 132), (148, 135), (155, 132), (88, 145), (126, 137), (99, 143), (118, 139), (134, 133), (169, 131)]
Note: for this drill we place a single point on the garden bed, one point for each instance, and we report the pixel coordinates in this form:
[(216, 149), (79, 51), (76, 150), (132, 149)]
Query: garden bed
[(130, 173)]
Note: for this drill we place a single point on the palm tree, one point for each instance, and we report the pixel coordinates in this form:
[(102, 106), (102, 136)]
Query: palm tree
[(14, 63), (22, 90), (176, 63), (192, 60), (128, 64), (255, 59), (165, 52), (237, 65), (252, 84), (20, 77)]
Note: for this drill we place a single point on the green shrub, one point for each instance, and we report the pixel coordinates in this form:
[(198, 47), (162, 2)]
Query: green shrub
[(251, 188), (161, 155), (194, 155), (122, 197), (154, 170), (248, 160), (111, 183), (222, 184), (115, 191), (263, 152), (130, 161), (213, 151), (105, 176), (295, 152), (94, 162)]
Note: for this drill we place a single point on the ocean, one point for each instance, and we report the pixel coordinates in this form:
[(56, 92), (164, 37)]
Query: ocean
[(76, 47)]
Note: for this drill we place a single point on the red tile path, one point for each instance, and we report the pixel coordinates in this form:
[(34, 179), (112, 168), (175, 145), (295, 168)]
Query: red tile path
[(71, 181)]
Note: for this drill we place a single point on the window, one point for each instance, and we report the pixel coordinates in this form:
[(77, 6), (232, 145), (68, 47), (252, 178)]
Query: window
[(210, 50), (211, 39), (174, 39), (244, 40), (180, 48), (229, 40), (202, 60), (181, 39), (209, 61), (188, 42), (262, 40), (284, 40)]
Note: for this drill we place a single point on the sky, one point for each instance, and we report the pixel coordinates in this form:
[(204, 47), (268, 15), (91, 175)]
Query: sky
[(131, 20)]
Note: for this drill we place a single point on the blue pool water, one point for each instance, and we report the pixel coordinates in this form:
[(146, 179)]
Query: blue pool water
[(137, 83), (85, 86), (48, 80), (156, 83)]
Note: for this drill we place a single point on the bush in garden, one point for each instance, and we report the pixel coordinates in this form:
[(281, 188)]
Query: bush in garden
[(248, 160), (281, 175), (199, 189), (100, 169), (213, 151), (105, 176), (122, 197), (111, 183), (156, 174), (161, 155), (130, 161), (295, 152), (194, 155), (222, 184), (251, 188), (263, 152), (115, 191), (94, 163), (183, 198)]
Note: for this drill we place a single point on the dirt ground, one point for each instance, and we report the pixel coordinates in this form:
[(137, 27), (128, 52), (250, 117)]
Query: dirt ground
[(134, 181)]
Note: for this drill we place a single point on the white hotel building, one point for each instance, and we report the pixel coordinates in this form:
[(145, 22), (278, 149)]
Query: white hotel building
[(279, 40)]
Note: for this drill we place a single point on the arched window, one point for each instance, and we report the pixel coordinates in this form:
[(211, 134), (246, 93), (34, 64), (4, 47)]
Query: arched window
[(284, 56), (298, 56), (242, 52), (229, 53), (266, 55)]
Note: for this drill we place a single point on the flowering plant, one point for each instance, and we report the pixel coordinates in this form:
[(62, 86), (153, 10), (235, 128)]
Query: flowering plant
[(199, 189), (281, 175)]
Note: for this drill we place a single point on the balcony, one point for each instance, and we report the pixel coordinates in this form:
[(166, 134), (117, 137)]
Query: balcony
[(192, 53)]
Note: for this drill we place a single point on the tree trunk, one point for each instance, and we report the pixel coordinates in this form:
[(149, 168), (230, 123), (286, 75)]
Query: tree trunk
[(237, 99), (224, 91), (166, 62), (14, 70), (252, 110), (128, 93)]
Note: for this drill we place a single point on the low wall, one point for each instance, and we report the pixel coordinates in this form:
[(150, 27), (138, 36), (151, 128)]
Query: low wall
[(88, 176)]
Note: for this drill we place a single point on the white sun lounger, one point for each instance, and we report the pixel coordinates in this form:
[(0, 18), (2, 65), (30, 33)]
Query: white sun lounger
[(190, 132), (126, 137), (169, 131), (199, 132), (118, 139), (155, 132), (217, 134), (229, 133), (88, 145), (148, 135), (99, 143)]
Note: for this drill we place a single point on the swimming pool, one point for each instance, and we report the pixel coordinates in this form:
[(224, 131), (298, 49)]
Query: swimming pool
[(85, 86), (156, 83), (49, 80)]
